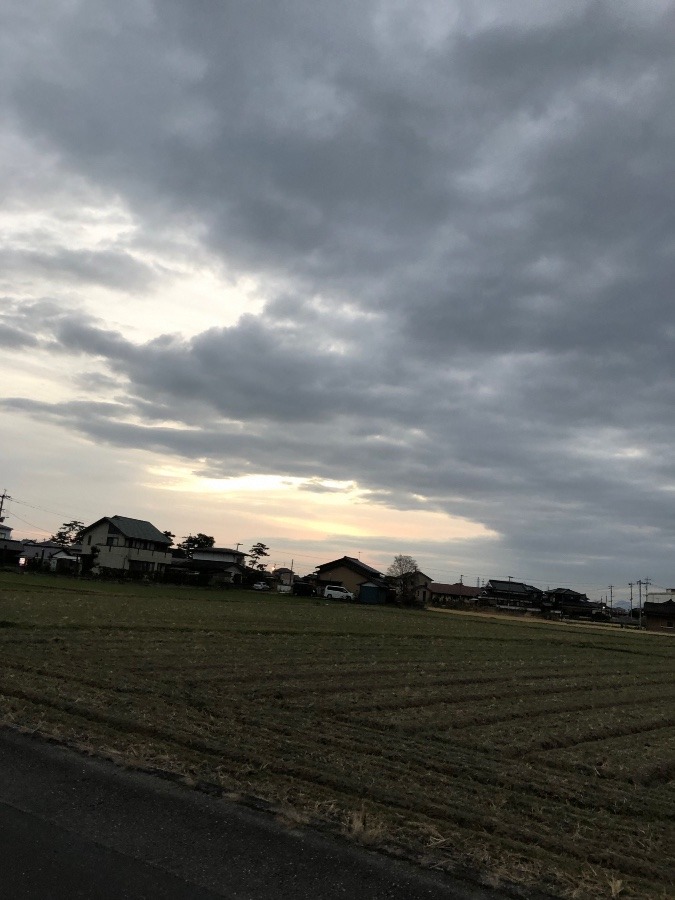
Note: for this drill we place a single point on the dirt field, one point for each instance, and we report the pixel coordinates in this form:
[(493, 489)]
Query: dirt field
[(536, 754)]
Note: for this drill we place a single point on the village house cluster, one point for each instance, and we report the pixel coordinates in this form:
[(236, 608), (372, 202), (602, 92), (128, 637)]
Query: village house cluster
[(123, 547)]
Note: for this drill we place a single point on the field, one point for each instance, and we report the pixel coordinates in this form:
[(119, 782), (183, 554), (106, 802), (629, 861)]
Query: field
[(526, 753)]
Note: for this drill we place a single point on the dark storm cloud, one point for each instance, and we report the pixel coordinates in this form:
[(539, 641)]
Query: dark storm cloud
[(47, 324), (472, 222)]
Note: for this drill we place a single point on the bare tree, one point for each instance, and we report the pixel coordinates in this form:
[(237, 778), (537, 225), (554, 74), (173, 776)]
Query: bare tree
[(403, 572)]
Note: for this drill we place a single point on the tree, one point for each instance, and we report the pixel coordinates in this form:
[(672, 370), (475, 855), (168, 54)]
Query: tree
[(403, 572), (257, 553), (196, 542), (170, 535), (69, 533)]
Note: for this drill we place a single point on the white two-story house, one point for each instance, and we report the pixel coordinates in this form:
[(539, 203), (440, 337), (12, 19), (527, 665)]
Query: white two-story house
[(125, 545)]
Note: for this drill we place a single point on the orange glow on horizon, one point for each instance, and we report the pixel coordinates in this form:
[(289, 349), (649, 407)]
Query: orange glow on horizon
[(285, 506)]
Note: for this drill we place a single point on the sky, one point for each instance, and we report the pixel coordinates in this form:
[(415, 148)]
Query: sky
[(358, 278)]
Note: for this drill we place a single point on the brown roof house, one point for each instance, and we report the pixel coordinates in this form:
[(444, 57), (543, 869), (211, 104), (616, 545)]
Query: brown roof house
[(455, 596), (366, 583), (124, 545), (659, 612)]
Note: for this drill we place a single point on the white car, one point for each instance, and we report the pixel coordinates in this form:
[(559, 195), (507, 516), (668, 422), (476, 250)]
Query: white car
[(338, 593), (261, 586)]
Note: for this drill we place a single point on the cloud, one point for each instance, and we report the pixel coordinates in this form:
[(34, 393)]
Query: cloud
[(459, 228), (14, 338), (112, 269)]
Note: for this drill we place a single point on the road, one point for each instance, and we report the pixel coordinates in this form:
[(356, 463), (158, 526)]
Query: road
[(72, 826)]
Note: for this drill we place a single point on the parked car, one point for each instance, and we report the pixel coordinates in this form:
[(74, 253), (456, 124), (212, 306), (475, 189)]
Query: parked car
[(261, 586), (338, 593), (303, 589)]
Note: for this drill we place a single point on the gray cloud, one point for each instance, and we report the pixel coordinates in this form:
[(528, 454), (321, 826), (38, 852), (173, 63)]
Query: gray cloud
[(109, 268), (15, 338), (473, 226)]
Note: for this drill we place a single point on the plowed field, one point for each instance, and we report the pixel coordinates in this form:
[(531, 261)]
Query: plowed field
[(523, 752)]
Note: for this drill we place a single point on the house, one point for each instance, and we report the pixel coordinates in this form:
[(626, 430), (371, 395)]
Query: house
[(284, 579), (422, 583), (659, 612), (373, 590), (510, 595), (410, 588), (10, 550), (564, 602), (284, 576), (221, 556), (229, 565), (121, 544), (452, 595), (65, 561), (39, 554), (210, 565), (351, 573)]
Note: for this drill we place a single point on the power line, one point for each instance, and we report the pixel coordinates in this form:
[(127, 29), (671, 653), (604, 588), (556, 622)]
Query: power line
[(32, 524), (40, 508)]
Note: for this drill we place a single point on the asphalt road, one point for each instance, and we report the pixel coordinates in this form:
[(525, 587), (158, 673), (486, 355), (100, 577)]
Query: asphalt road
[(72, 826)]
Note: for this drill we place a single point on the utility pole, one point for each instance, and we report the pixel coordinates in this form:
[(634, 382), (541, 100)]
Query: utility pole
[(630, 585), (646, 582), (4, 496), (639, 584), (611, 600)]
